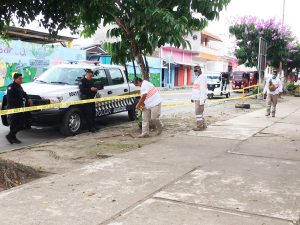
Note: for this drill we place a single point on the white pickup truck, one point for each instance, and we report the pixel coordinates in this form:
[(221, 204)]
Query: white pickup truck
[(61, 84)]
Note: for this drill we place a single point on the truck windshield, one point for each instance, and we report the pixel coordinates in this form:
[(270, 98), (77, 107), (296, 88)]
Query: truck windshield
[(213, 77), (61, 75), (238, 75)]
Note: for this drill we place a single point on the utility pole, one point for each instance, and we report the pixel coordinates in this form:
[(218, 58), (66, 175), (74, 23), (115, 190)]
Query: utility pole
[(282, 22), (283, 11)]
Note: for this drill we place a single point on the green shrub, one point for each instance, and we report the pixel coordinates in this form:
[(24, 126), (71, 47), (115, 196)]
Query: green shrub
[(255, 90), (138, 119), (291, 87)]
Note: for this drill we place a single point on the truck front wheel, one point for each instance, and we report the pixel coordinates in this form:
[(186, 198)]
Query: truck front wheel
[(71, 122)]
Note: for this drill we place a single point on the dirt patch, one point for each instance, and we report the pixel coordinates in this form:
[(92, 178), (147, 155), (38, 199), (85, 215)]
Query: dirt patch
[(65, 154), (14, 174)]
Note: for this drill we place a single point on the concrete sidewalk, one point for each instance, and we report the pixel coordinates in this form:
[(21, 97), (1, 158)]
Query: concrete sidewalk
[(242, 171)]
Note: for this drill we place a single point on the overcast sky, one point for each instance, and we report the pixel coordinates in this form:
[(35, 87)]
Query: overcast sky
[(264, 9)]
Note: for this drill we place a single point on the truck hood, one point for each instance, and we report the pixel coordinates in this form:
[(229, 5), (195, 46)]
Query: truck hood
[(48, 90), (213, 81), (237, 79)]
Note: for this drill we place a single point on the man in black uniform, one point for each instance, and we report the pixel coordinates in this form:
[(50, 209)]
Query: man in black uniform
[(16, 98), (88, 90), (225, 80)]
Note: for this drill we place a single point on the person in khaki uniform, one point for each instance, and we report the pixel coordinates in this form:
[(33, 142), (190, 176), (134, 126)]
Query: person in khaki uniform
[(150, 102), (271, 91), (199, 95)]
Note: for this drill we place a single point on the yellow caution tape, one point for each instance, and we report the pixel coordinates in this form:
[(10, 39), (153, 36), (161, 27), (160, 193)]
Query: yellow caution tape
[(62, 104), (176, 104), (104, 99), (214, 100)]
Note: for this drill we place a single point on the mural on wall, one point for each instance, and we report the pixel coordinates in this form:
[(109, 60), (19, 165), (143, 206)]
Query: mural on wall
[(155, 70), (9, 69), (31, 60), (2, 73), (154, 78)]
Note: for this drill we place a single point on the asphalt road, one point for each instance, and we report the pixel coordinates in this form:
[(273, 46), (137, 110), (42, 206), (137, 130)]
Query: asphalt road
[(42, 134)]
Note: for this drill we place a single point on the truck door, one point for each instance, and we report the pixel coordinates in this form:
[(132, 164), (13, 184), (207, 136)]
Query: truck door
[(100, 76), (119, 86)]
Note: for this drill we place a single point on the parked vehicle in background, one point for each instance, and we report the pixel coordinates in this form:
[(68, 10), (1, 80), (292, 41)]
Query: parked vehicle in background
[(102, 58), (61, 84), (240, 79), (253, 77), (214, 85)]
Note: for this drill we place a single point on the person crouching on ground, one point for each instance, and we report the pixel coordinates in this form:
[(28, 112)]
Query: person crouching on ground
[(199, 95), (272, 89), (150, 102)]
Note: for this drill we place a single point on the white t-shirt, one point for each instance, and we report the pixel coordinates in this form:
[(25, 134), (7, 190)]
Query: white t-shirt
[(277, 83), (199, 91), (153, 97)]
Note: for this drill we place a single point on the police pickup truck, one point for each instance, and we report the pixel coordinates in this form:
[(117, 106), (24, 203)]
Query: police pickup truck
[(61, 84)]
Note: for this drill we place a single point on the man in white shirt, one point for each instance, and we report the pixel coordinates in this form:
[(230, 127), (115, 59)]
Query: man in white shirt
[(199, 95), (272, 89), (150, 103)]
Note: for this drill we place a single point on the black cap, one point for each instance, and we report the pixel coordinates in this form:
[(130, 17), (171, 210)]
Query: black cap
[(89, 71)]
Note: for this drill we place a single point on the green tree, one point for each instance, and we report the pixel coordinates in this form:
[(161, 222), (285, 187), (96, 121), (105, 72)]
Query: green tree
[(247, 31), (141, 26)]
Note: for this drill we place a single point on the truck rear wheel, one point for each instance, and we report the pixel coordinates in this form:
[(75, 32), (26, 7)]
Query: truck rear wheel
[(5, 118), (71, 122)]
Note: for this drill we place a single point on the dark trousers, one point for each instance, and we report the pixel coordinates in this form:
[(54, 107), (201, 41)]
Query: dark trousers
[(89, 112), (224, 86), (16, 124)]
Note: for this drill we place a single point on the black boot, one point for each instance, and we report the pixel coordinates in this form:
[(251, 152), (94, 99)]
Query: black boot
[(17, 141), (9, 139)]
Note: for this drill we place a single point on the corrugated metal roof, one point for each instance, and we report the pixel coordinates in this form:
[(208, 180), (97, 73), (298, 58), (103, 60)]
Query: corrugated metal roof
[(27, 35)]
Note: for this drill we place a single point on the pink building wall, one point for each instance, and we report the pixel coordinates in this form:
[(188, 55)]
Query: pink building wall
[(183, 70), (177, 55)]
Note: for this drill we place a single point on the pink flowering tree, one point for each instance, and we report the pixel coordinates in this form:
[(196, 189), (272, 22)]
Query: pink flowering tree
[(281, 43), (293, 61)]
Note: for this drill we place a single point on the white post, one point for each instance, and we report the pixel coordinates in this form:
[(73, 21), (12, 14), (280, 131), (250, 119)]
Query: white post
[(169, 70), (258, 65)]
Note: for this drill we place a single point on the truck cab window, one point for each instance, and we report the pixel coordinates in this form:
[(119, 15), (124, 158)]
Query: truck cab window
[(116, 76), (100, 76)]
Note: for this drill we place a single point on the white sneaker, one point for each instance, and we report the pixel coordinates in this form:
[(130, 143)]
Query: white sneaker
[(143, 136)]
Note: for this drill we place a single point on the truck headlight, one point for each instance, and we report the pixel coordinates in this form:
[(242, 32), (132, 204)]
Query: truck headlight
[(54, 100)]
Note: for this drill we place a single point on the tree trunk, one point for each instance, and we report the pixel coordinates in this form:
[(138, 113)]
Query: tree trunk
[(285, 77), (142, 65), (147, 65), (126, 72), (134, 69)]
